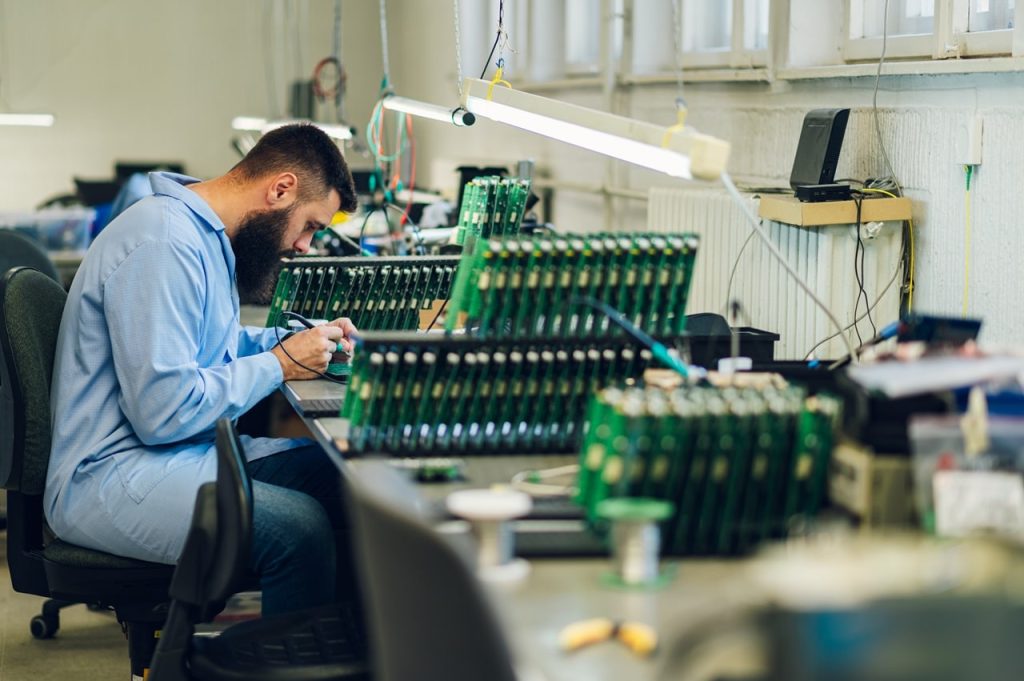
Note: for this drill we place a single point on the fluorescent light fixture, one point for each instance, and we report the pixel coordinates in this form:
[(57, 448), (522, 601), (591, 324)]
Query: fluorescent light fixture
[(248, 123), (687, 154), (263, 126), (34, 120), (457, 116)]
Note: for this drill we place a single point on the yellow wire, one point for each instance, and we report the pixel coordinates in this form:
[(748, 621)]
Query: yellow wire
[(678, 127), (913, 264), (967, 251)]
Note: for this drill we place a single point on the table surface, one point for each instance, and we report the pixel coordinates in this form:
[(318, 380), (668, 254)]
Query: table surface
[(559, 591)]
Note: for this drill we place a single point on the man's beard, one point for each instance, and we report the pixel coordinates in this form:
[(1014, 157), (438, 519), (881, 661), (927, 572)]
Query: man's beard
[(257, 247)]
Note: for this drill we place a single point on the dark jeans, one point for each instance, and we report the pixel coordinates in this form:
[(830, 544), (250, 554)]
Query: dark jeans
[(301, 545)]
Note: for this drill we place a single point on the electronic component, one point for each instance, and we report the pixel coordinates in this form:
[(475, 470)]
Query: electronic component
[(385, 293), (531, 287), (491, 207), (420, 395), (739, 464)]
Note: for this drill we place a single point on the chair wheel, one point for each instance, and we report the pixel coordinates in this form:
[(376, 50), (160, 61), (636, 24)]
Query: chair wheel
[(44, 627)]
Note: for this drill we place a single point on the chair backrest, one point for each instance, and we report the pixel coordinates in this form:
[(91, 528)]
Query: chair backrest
[(17, 250), (31, 305), (428, 615), (216, 554)]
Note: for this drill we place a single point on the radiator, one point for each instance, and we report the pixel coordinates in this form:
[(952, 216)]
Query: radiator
[(771, 299)]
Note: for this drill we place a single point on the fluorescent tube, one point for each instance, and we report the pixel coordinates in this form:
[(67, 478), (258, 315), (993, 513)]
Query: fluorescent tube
[(457, 116), (35, 120), (263, 126), (686, 154)]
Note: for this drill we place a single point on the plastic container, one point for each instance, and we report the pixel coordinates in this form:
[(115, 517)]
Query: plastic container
[(937, 443), (55, 229)]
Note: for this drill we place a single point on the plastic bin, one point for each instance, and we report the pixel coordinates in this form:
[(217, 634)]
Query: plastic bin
[(938, 444), (55, 229)]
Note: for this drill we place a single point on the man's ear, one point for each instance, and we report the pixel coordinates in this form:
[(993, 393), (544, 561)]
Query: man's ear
[(283, 190)]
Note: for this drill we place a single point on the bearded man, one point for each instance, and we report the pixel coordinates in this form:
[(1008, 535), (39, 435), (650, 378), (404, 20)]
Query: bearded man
[(151, 354)]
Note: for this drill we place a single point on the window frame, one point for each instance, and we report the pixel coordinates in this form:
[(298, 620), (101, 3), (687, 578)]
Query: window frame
[(949, 39), (737, 56)]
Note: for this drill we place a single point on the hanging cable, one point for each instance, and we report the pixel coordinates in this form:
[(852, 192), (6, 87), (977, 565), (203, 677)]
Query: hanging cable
[(385, 84), (497, 37), (677, 51), (968, 173), (458, 47), (874, 99)]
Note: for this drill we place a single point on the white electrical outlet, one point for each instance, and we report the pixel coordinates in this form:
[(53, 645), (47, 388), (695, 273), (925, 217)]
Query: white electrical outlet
[(968, 149)]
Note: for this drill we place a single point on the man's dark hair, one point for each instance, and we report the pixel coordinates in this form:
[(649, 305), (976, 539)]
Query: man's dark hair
[(307, 151)]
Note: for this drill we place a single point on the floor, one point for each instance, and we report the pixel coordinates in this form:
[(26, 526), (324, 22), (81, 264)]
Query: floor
[(89, 645)]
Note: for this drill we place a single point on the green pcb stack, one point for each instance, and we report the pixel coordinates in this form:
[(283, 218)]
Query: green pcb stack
[(530, 286), (386, 293), (739, 465), (422, 395), (491, 207)]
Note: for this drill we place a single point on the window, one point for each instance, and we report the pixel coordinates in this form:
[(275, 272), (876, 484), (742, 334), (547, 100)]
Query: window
[(724, 33), (930, 28), (988, 27), (582, 36), (910, 25)]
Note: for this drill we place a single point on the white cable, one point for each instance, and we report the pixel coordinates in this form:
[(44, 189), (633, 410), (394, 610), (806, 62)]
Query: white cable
[(677, 44), (874, 98), (384, 42), (756, 226), (458, 47)]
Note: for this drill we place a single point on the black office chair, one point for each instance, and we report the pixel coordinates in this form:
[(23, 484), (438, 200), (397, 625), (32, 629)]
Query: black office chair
[(310, 645), (31, 304), (429, 618), (17, 250)]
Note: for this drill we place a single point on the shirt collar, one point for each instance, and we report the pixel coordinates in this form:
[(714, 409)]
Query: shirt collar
[(174, 185)]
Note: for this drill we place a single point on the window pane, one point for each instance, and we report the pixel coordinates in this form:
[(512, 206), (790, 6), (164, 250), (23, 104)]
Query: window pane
[(755, 32), (707, 25), (582, 34), (991, 15), (906, 17)]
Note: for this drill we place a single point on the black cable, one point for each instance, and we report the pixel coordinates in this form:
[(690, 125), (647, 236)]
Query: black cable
[(387, 219), (277, 332), (497, 38), (856, 271), (415, 228), (362, 228), (862, 277), (493, 48), (440, 311)]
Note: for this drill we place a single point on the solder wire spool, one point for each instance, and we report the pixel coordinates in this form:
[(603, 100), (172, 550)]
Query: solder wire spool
[(636, 539), (490, 512)]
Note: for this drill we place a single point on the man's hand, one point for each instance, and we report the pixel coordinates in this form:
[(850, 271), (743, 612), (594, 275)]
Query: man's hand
[(312, 348), (347, 328)]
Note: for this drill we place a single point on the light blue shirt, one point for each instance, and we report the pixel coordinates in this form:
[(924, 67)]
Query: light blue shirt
[(150, 355)]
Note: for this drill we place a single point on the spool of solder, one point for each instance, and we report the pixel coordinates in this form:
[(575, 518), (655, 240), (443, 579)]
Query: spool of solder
[(636, 539), (490, 513)]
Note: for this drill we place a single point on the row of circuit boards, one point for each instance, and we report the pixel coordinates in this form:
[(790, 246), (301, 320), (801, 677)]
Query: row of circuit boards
[(531, 286), (421, 395), (739, 465), (385, 293)]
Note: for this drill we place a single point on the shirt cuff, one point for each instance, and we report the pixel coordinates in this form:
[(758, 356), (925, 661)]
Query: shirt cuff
[(269, 363)]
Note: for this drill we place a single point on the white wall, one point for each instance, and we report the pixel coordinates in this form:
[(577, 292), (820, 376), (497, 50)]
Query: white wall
[(143, 80), (920, 117)]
